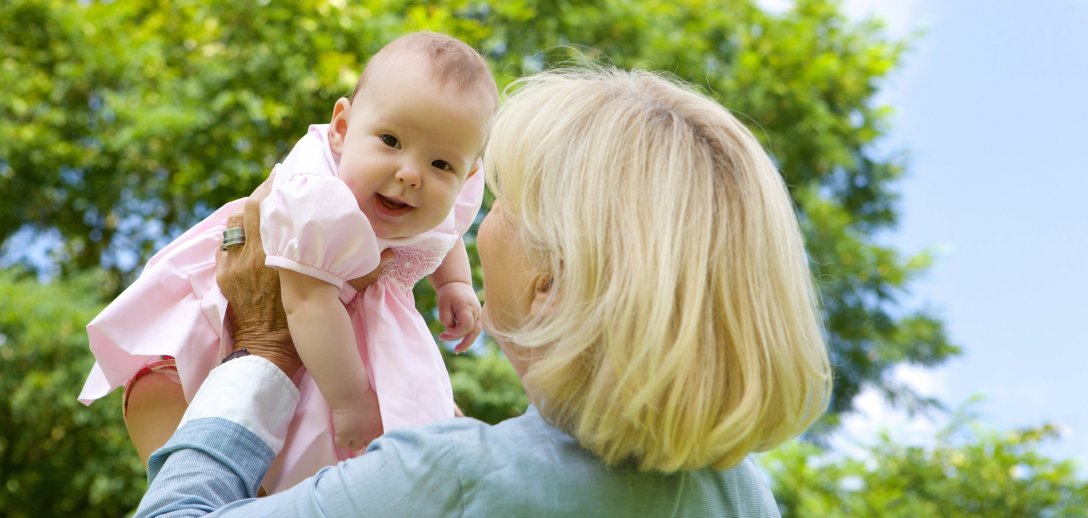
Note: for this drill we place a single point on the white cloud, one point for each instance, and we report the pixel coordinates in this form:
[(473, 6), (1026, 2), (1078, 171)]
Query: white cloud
[(873, 415), (901, 16), (775, 6), (927, 382)]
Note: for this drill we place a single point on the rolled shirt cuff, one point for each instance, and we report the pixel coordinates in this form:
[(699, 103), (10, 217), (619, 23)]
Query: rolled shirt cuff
[(250, 392)]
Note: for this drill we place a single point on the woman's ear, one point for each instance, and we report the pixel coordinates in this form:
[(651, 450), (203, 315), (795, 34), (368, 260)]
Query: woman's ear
[(338, 126), (542, 294)]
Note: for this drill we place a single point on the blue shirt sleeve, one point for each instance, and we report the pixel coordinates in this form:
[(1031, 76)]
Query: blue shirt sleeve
[(212, 467), (207, 464)]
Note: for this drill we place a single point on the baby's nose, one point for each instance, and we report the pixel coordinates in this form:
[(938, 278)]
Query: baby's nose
[(408, 177)]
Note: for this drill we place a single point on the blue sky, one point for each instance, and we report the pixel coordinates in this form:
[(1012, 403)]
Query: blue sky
[(992, 107)]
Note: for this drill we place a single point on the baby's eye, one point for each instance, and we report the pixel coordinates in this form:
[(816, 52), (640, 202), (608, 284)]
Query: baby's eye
[(390, 140), (442, 164)]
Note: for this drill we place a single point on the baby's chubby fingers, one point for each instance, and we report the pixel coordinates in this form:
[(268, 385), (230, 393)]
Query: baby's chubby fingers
[(456, 320), (459, 312), (445, 315), (466, 316), (469, 339), (465, 320), (450, 334)]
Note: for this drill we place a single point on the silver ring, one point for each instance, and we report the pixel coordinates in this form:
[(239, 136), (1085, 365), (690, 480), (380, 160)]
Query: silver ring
[(233, 236)]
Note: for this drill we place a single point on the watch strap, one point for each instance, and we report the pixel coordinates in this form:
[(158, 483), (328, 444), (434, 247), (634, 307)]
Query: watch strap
[(238, 353)]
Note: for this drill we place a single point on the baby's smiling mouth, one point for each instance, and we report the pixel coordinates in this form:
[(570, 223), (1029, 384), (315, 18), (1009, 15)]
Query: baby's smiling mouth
[(393, 205)]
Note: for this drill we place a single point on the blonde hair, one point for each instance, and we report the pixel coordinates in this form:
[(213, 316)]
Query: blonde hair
[(682, 329)]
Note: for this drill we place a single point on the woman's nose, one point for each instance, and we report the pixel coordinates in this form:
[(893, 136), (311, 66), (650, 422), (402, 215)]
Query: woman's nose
[(408, 177)]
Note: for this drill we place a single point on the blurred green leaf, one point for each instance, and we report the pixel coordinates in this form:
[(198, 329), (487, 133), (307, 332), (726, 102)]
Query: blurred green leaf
[(969, 471), (58, 458)]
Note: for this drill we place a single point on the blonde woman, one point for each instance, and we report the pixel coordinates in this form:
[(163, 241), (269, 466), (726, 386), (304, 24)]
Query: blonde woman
[(644, 273)]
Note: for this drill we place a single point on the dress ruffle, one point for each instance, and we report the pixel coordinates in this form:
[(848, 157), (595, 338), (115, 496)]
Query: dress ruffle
[(312, 224)]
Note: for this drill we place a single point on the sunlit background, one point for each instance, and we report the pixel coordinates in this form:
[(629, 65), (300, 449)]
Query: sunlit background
[(122, 122), (992, 107)]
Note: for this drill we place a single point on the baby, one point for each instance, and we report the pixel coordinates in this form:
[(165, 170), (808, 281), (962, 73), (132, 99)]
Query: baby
[(396, 168)]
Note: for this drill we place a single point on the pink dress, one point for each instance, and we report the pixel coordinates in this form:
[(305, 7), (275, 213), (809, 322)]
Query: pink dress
[(310, 223)]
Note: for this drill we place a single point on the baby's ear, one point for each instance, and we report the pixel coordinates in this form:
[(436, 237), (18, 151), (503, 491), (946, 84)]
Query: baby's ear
[(475, 168), (338, 126)]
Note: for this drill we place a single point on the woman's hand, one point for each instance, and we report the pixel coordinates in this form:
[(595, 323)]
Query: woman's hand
[(252, 290)]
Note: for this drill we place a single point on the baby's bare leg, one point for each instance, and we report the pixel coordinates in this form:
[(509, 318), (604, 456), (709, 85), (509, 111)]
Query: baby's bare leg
[(155, 406)]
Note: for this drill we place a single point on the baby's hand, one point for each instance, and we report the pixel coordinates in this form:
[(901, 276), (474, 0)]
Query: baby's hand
[(459, 312), (356, 424)]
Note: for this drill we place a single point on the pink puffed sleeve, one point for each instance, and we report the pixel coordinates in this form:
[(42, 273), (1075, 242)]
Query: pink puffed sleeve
[(311, 224), (468, 202)]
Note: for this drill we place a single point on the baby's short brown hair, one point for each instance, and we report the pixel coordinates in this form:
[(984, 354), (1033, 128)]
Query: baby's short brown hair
[(452, 61)]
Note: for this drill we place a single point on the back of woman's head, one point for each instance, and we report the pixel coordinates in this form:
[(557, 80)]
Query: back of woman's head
[(682, 329)]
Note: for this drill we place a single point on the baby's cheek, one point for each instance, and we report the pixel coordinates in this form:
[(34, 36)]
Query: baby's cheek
[(358, 189), (438, 208)]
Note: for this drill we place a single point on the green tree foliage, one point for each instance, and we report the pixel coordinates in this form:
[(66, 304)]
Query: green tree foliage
[(126, 121), (57, 457), (486, 386), (969, 472)]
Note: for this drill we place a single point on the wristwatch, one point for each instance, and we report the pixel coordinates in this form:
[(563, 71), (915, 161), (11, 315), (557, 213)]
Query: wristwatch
[(235, 355)]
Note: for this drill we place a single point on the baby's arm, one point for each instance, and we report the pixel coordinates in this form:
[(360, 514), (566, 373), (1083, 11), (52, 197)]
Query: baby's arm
[(325, 342), (458, 307)]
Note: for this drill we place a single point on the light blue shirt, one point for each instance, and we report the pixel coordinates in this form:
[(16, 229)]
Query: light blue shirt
[(522, 467)]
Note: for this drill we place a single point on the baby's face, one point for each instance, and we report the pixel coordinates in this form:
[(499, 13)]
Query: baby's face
[(409, 143)]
